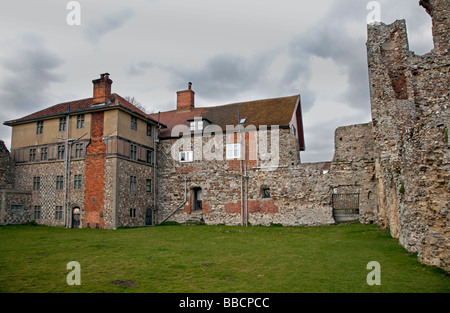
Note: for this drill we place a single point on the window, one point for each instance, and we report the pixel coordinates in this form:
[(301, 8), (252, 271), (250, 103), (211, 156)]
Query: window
[(37, 212), (196, 125), (36, 183), (134, 123), (62, 124), (58, 212), (266, 193), (133, 152), (80, 121), (132, 212), (59, 182), (149, 156), (233, 151), (149, 129), (77, 181), (32, 155), (133, 183), (44, 153), (148, 185), (16, 207), (39, 127), (79, 150), (186, 156), (61, 152)]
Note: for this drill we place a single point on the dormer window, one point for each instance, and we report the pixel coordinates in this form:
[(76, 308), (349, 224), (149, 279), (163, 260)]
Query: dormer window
[(198, 124)]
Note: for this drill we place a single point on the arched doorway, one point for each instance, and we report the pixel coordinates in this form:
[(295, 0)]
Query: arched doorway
[(149, 217), (76, 217)]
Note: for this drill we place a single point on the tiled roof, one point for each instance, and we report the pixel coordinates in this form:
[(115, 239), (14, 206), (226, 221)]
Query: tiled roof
[(79, 106), (278, 111)]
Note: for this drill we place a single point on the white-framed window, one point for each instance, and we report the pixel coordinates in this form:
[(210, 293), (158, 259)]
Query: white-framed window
[(186, 156), (196, 125), (233, 151)]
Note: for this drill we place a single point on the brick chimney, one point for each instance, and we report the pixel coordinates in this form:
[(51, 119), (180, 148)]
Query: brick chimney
[(185, 99), (102, 88)]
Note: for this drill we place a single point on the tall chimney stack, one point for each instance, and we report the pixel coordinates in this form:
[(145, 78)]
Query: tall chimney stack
[(102, 88), (185, 99)]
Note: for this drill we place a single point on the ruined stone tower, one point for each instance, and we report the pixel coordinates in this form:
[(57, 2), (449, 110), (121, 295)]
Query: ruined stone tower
[(410, 98)]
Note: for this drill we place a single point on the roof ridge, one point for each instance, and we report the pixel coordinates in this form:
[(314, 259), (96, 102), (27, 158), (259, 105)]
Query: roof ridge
[(233, 103)]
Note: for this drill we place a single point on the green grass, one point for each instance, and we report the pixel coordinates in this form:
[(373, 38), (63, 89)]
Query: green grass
[(223, 259)]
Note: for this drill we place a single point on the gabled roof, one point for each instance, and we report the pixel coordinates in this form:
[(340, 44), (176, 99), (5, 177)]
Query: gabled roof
[(80, 106), (268, 112)]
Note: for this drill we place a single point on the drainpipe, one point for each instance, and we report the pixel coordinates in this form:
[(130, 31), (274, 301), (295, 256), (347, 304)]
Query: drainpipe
[(65, 181), (155, 165)]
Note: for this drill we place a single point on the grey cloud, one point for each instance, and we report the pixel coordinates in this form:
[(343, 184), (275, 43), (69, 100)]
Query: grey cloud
[(221, 76), (139, 68), (330, 40), (29, 72), (95, 30)]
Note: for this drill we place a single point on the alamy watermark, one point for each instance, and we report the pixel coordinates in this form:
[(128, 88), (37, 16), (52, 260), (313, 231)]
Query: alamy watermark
[(374, 15), (210, 143), (74, 16), (374, 277), (74, 276)]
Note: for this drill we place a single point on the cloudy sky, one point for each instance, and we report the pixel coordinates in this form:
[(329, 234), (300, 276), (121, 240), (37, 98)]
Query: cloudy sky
[(233, 50)]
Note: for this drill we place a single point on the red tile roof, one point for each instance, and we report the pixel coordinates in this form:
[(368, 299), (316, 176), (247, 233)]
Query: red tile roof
[(277, 111), (80, 106)]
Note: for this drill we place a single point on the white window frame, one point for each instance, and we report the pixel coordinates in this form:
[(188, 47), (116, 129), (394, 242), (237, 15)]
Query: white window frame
[(233, 151), (188, 156), (196, 126)]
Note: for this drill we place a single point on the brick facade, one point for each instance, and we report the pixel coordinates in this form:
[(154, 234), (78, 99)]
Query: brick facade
[(94, 193)]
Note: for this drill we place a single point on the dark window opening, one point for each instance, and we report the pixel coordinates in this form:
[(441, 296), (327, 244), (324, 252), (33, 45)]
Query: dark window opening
[(62, 124), (39, 127), (134, 123), (197, 199), (80, 121)]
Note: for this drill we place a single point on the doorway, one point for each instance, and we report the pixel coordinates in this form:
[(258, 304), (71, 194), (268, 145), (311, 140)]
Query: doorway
[(197, 201), (148, 217), (76, 217)]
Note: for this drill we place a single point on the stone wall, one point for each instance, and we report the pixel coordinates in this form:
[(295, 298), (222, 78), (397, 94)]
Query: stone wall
[(352, 169), (6, 168), (15, 207), (409, 99), (48, 196), (300, 194), (139, 199)]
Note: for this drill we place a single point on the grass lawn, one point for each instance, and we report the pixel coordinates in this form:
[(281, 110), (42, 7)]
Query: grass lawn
[(215, 259)]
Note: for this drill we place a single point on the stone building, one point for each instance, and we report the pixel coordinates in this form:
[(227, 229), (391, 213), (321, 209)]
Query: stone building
[(239, 164), (235, 164), (86, 163)]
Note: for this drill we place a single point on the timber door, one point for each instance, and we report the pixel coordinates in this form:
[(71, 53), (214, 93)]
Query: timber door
[(76, 217), (148, 217)]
